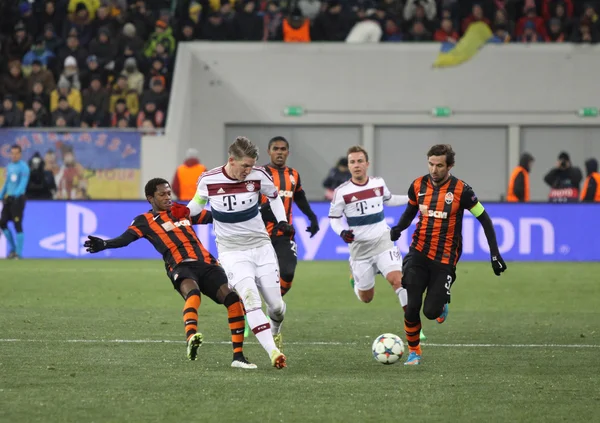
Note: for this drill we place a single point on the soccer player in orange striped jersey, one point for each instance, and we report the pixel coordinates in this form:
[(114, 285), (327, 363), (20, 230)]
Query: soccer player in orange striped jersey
[(430, 264), (287, 181), (191, 268)]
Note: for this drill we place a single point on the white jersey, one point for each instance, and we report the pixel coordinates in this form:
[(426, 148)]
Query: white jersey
[(363, 207), (234, 205)]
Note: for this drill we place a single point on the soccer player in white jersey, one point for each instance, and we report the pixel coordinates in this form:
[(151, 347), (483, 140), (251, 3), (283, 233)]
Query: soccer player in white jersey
[(361, 200), (245, 249)]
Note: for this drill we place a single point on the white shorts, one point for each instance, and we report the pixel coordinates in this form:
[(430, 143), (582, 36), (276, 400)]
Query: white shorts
[(260, 264), (364, 271)]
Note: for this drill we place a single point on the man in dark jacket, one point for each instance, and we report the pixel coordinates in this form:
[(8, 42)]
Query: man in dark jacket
[(41, 184), (564, 181), (337, 176)]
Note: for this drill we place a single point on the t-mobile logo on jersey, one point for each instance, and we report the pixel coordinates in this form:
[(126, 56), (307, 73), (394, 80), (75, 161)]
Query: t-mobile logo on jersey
[(79, 223)]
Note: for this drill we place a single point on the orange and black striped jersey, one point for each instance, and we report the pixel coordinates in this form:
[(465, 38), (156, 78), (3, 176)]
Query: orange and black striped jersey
[(174, 239), (287, 181), (438, 234)]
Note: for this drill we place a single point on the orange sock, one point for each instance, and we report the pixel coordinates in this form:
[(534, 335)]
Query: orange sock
[(413, 335), (190, 313), (284, 286), (236, 324)]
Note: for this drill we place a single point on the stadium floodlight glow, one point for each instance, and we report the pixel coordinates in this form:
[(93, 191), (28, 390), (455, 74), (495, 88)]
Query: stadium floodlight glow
[(588, 112), (441, 111)]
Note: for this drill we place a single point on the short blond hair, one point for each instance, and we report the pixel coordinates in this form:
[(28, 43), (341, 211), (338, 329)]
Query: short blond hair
[(242, 147), (358, 149)]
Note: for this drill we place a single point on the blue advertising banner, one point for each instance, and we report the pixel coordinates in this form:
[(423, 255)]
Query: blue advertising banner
[(85, 165), (526, 232)]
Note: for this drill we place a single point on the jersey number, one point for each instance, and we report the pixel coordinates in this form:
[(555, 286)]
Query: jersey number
[(448, 284), (294, 248)]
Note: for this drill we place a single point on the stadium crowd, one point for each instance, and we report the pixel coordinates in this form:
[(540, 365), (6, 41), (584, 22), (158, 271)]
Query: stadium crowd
[(109, 63)]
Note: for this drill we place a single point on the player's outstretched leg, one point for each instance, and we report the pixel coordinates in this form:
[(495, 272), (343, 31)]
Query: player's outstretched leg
[(395, 279), (258, 322), (235, 314), (275, 307), (190, 320)]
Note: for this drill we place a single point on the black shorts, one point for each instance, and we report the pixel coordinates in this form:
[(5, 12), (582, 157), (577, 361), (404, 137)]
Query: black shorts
[(12, 209), (422, 273), (209, 277), (287, 254)]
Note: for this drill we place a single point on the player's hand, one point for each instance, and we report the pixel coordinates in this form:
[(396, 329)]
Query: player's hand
[(313, 228), (498, 264), (179, 211), (94, 244), (395, 233), (286, 228), (348, 236)]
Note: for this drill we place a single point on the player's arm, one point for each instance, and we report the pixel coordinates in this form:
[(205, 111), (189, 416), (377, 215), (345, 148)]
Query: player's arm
[(519, 186), (204, 218), (197, 204), (469, 201), (336, 211), (302, 202), (23, 181), (393, 200), (269, 190), (409, 214), (133, 233)]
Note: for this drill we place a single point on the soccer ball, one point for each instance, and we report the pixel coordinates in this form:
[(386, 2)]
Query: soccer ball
[(388, 348)]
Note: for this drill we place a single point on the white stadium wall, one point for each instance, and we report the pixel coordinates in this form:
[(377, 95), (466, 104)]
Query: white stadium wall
[(506, 100)]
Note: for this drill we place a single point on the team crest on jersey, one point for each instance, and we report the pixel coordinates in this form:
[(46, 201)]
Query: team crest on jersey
[(250, 186), (377, 192), (449, 198)]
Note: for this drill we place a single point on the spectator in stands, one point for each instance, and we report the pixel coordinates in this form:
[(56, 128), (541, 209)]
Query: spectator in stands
[(227, 11), (475, 16), (122, 117), (65, 111), (103, 48), (529, 34), (13, 117), (105, 21), (501, 19), (40, 74), (135, 79), (41, 112), (80, 21), (366, 30), (151, 113), (215, 29), (418, 33), (14, 83), (30, 119), (591, 16), (96, 94), (294, 28), (38, 53), (73, 49), (556, 33), (70, 73), (446, 32), (64, 89), (187, 32), (162, 34), (392, 32), (585, 33), (533, 23), (186, 176), (274, 18), (590, 192), (52, 19), (41, 185), (38, 91), (333, 24), (518, 184), (142, 19), (92, 117), (560, 10), (121, 91), (420, 14), (19, 44), (309, 8), (247, 25), (92, 68), (51, 40), (157, 93), (129, 38), (336, 177)]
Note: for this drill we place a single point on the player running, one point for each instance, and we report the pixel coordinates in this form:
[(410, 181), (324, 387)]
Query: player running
[(437, 242), (287, 180), (361, 200), (191, 268), (245, 249)]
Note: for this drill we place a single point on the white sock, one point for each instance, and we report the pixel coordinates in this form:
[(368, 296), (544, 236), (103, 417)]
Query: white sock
[(277, 320), (356, 292), (259, 324), (402, 296)]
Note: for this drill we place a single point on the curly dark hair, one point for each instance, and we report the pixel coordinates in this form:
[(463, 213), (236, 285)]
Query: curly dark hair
[(443, 150)]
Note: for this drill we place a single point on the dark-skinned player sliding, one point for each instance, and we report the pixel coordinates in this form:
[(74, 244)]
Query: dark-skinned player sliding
[(430, 264), (190, 267)]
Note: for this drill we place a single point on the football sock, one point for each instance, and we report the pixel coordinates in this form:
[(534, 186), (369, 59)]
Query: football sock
[(260, 327), (412, 330), (285, 286), (20, 240), (190, 313), (235, 313), (356, 292), (9, 239), (402, 296), (277, 320)]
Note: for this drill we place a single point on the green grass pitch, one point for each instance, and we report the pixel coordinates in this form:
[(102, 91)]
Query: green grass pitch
[(101, 341)]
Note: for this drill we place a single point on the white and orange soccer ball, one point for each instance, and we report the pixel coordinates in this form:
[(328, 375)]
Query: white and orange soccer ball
[(388, 348)]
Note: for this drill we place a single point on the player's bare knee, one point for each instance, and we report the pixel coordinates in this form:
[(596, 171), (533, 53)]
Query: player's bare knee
[(395, 279), (277, 311), (186, 286), (366, 296), (222, 293), (433, 310)]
